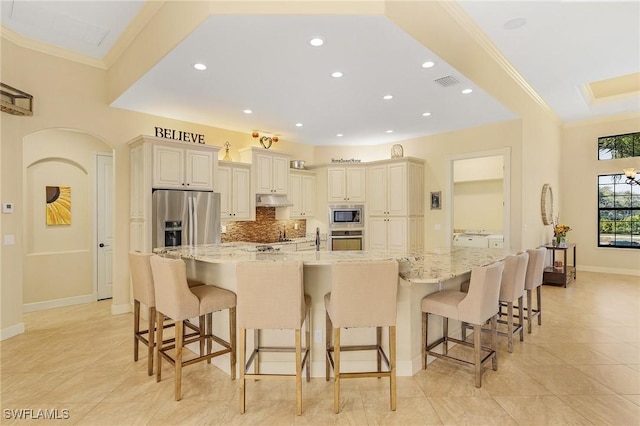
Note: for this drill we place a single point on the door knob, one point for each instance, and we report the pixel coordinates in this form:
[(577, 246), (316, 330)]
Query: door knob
[(101, 245)]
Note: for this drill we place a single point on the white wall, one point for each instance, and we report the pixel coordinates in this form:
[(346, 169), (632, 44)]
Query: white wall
[(579, 184)]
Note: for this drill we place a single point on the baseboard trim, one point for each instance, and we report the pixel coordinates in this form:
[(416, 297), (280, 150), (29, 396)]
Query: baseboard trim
[(123, 308), (58, 303), (12, 330), (617, 271)]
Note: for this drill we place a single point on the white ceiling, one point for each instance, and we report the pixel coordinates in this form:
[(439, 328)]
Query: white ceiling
[(265, 63)]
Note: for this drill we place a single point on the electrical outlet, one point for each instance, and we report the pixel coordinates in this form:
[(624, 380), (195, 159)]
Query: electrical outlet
[(317, 336), (223, 229), (295, 226)]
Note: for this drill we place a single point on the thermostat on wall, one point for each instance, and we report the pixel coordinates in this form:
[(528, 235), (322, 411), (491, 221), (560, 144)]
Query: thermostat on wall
[(7, 207)]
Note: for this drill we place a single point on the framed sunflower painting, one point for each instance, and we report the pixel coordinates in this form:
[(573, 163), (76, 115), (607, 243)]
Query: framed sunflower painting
[(58, 205)]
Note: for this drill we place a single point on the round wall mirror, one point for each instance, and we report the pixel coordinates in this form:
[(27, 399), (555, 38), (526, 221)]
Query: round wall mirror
[(546, 204)]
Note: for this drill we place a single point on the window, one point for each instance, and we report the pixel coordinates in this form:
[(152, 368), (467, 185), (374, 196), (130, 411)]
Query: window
[(620, 146), (618, 212)]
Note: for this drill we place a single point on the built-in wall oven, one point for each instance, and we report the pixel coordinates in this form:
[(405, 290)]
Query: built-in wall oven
[(346, 239)]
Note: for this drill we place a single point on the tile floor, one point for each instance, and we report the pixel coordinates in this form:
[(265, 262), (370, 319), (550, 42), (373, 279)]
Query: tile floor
[(582, 366)]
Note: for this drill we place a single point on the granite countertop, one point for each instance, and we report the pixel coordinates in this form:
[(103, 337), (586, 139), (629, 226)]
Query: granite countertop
[(431, 266)]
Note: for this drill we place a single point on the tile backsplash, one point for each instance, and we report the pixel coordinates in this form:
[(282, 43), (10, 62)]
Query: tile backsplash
[(265, 229)]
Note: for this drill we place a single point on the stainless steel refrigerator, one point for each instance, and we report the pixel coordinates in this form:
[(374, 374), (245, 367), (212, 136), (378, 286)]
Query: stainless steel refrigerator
[(182, 218)]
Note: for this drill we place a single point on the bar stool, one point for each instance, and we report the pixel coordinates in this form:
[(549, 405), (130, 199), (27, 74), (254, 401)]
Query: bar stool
[(271, 296), (144, 292), (475, 307), (511, 289), (177, 301), (363, 294), (533, 281)]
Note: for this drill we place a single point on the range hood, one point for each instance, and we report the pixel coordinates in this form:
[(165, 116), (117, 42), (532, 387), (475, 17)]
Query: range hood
[(271, 200)]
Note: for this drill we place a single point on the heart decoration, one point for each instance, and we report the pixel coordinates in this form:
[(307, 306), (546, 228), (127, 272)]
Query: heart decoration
[(266, 142)]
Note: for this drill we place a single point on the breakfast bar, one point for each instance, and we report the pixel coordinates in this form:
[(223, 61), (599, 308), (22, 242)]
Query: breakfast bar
[(420, 274)]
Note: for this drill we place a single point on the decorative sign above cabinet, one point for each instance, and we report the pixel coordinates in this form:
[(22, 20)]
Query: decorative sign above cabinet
[(179, 135)]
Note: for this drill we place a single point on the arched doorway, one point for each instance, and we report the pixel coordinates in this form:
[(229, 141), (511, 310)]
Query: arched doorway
[(60, 173)]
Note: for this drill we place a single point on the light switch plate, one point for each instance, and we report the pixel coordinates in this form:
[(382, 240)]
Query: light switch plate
[(9, 240), (7, 207)]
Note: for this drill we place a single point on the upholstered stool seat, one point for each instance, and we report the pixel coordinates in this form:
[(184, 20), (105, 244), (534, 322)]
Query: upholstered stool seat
[(176, 300), (144, 293), (271, 296), (475, 307), (363, 294)]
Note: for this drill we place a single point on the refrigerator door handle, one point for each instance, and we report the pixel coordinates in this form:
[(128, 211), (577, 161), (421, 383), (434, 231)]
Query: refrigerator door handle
[(190, 216), (194, 221)]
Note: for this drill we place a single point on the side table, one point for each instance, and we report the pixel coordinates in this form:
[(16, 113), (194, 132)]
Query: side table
[(560, 272)]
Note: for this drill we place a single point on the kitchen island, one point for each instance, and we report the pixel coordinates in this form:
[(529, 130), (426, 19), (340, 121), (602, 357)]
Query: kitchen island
[(420, 274)]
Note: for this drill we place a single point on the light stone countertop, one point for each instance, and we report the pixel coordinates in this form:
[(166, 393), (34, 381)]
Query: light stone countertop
[(431, 266)]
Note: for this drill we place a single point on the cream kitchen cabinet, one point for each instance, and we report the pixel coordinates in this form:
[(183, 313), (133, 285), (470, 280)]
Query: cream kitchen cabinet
[(270, 170), (234, 186), (302, 194), (184, 168), (395, 204), (346, 184)]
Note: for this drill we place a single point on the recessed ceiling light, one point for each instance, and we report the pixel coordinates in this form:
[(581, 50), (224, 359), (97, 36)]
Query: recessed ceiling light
[(428, 64), (339, 135), (336, 74), (388, 131), (200, 67), (515, 23), (298, 124), (387, 97), (247, 111), (467, 91), (426, 114), (316, 42)]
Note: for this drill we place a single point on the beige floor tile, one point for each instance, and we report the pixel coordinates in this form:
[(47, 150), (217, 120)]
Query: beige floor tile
[(577, 353), (510, 379), (565, 380), (624, 353), (540, 410), (620, 378), (582, 363), (626, 334), (112, 413), (409, 411), (320, 412), (605, 409), (470, 410)]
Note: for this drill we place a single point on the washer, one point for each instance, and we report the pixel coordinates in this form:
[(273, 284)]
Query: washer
[(471, 240)]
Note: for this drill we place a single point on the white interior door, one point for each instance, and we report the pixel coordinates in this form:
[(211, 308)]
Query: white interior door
[(104, 204)]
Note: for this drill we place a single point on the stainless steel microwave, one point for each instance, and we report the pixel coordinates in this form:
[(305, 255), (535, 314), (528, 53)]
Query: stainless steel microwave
[(346, 216)]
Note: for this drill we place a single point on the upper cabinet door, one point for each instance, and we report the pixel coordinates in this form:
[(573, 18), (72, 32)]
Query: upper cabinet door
[(224, 188), (356, 188), (199, 170), (378, 190), (264, 173), (308, 196), (280, 178), (168, 167), (336, 184), (397, 189)]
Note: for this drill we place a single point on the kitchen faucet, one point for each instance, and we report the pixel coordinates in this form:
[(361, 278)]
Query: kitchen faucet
[(317, 239)]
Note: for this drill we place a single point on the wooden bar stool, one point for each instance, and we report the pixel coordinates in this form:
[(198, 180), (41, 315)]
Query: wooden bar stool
[(144, 293), (363, 294), (475, 307), (177, 301), (271, 296)]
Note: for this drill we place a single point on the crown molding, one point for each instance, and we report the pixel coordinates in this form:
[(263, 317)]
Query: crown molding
[(47, 49), (469, 25)]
